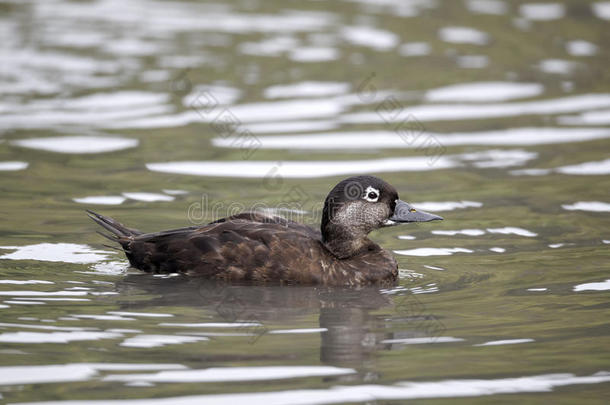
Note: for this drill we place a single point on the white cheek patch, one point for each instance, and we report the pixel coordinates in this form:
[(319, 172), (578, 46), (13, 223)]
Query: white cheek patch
[(369, 190)]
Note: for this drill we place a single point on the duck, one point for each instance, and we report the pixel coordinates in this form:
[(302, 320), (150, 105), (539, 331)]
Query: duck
[(257, 247)]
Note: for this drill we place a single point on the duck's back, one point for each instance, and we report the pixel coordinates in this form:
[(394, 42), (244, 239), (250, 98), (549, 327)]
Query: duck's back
[(247, 247)]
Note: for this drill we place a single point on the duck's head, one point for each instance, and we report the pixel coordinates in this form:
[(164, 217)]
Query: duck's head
[(358, 205)]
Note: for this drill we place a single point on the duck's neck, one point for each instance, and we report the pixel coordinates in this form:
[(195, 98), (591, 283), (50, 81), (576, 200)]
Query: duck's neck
[(342, 236), (344, 242)]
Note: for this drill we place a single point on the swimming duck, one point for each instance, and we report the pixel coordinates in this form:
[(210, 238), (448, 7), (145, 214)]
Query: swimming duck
[(256, 247)]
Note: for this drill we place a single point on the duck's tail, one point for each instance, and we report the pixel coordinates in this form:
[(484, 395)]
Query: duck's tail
[(119, 232)]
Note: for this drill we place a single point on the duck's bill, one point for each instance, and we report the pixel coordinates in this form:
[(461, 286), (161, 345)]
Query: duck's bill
[(404, 212)]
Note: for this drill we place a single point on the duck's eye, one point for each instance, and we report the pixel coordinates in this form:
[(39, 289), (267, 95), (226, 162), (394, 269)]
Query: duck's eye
[(371, 194)]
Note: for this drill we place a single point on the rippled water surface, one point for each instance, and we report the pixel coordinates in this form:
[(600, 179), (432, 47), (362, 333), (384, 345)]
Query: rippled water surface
[(494, 114)]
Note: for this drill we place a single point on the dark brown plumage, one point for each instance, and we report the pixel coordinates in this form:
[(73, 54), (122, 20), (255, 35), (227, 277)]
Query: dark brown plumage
[(255, 247)]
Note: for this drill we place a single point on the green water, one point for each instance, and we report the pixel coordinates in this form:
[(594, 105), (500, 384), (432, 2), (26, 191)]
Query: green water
[(477, 297)]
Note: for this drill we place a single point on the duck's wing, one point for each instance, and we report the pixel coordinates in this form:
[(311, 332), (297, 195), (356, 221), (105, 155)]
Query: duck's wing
[(243, 247)]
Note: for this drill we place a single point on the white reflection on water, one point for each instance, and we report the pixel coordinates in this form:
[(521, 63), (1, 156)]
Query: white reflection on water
[(226, 374), (298, 169), (152, 76), (150, 341), (392, 140), (601, 9), (101, 200), (463, 35), (292, 126), (294, 109), (25, 293), (432, 251), (406, 8), (13, 166), (468, 232), (67, 253), (434, 268), (427, 290), (542, 11), (25, 282), (57, 373), (445, 112), (291, 109), (56, 252), (495, 7), (484, 91), (367, 393), (136, 196), (213, 324), (306, 89), (175, 192), (113, 267), (505, 342), (511, 230), (296, 331), (141, 314), (557, 66), (370, 37), (164, 19), (597, 117), (600, 286), (415, 49), (587, 168), (103, 317), (581, 48), (55, 337), (29, 70), (112, 101), (133, 47), (423, 340), (96, 110), (583, 169), (148, 197), (77, 144), (312, 54), (58, 299), (274, 46), (330, 108), (23, 302), (223, 334), (60, 119), (592, 206), (312, 169)]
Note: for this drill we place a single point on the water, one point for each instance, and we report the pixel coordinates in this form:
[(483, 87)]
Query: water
[(493, 114)]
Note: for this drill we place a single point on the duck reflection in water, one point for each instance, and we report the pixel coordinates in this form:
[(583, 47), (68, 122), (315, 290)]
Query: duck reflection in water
[(350, 332)]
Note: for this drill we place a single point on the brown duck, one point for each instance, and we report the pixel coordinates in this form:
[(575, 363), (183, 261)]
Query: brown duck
[(256, 247)]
